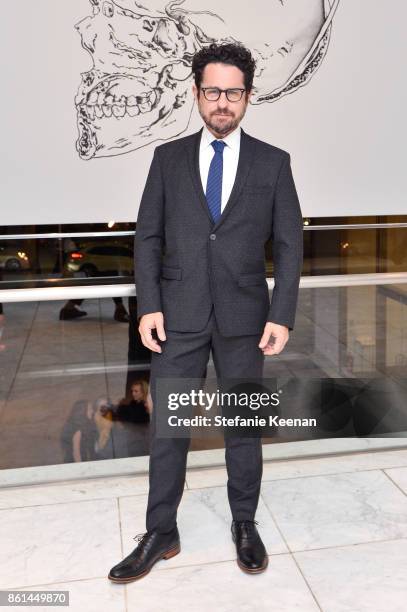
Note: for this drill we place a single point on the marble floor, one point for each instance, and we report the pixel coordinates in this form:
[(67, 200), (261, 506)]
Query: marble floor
[(335, 529)]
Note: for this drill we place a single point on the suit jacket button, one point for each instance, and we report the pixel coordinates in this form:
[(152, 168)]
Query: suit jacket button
[(212, 236)]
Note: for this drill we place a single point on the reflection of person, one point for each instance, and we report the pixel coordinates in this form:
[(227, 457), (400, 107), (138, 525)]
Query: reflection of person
[(85, 435), (79, 434), (134, 408), (208, 290), (62, 249), (70, 310), (104, 426)]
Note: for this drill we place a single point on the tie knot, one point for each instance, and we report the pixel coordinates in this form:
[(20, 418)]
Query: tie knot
[(218, 145)]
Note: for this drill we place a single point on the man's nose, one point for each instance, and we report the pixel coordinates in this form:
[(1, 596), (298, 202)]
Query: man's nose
[(223, 101)]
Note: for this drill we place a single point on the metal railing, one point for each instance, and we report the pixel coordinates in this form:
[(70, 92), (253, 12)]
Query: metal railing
[(57, 235), (60, 235), (40, 294), (128, 290)]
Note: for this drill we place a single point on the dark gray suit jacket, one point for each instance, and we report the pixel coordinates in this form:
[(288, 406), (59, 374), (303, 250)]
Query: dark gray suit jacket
[(185, 263)]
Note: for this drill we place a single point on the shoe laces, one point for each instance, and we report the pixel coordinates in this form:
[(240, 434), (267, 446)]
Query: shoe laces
[(247, 524), (141, 537)]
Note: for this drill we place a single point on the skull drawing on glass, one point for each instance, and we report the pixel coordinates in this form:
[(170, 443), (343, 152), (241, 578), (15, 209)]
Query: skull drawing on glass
[(139, 89)]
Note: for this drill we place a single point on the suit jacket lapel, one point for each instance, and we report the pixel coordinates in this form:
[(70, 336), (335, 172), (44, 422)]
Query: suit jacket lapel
[(193, 162), (246, 157)]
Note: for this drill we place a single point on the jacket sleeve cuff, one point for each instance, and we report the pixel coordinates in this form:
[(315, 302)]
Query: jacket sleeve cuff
[(148, 306), (281, 318)]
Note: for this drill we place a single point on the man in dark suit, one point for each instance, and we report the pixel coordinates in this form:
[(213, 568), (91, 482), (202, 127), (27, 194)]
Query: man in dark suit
[(211, 202)]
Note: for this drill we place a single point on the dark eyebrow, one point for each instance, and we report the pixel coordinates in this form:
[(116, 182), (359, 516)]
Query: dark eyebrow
[(217, 87)]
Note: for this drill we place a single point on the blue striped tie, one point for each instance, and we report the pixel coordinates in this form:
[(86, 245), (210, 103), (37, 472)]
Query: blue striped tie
[(214, 184)]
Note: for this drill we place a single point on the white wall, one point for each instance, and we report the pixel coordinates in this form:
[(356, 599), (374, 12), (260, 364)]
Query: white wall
[(345, 128)]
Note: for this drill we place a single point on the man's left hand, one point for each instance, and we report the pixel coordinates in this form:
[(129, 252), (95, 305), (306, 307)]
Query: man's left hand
[(274, 338)]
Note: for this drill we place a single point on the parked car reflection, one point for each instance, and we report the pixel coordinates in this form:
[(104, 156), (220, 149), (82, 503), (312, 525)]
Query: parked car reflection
[(96, 259), (13, 257)]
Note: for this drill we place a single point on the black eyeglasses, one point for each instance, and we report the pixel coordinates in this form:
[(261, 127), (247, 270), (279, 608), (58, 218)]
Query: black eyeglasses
[(213, 93)]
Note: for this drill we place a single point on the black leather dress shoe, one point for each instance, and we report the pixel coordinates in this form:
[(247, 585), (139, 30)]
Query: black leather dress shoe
[(121, 314), (71, 313), (251, 553), (152, 547)]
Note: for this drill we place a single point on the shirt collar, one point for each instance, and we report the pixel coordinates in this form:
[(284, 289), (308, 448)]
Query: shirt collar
[(232, 139)]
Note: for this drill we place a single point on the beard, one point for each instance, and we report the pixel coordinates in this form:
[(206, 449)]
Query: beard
[(222, 122)]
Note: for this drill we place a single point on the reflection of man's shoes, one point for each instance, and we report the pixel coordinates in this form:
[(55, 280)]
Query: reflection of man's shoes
[(152, 547), (71, 313), (251, 553), (120, 314)]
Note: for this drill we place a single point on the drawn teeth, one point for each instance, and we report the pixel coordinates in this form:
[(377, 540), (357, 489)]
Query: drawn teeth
[(133, 111), (107, 105), (119, 107), (119, 110), (147, 102), (93, 97), (145, 107), (132, 108), (100, 104)]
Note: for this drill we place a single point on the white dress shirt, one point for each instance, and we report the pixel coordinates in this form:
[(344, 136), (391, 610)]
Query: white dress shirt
[(230, 160)]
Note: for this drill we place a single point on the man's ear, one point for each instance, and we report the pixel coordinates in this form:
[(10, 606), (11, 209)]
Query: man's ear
[(195, 91)]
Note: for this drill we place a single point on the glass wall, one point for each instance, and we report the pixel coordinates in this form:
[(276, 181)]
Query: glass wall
[(76, 389), (79, 258), (353, 250), (85, 254), (74, 373)]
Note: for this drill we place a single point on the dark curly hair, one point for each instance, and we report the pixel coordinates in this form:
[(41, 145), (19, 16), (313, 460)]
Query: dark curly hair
[(228, 53)]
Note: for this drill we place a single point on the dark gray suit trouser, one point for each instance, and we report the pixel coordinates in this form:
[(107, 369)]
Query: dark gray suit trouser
[(186, 354)]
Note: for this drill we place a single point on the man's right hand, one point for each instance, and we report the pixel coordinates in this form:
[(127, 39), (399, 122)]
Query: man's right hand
[(148, 322)]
